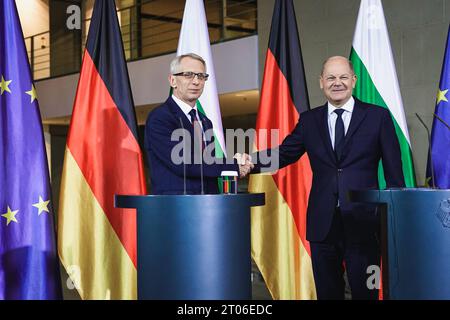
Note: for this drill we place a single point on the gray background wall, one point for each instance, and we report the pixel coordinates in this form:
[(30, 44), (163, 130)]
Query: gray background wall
[(417, 30)]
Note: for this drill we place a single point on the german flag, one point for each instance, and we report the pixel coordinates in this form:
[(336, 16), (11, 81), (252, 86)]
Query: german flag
[(96, 241), (279, 245)]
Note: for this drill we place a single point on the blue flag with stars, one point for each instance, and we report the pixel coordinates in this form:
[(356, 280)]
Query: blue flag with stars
[(440, 133), (28, 261)]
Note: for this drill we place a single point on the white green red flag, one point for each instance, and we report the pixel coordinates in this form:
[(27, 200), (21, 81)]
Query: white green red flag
[(377, 83), (194, 38)]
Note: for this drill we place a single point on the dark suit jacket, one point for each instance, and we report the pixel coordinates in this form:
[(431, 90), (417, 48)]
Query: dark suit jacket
[(370, 137), (166, 176)]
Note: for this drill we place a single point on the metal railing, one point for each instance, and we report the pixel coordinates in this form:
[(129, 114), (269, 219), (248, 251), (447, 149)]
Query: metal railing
[(149, 28)]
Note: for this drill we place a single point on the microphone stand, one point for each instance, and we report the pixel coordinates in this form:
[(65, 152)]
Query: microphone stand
[(201, 154), (441, 120), (184, 156), (199, 130)]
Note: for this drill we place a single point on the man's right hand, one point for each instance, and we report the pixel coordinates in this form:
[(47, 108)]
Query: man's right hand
[(245, 164)]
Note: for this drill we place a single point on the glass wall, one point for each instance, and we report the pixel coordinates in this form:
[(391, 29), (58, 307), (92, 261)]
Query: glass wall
[(149, 28)]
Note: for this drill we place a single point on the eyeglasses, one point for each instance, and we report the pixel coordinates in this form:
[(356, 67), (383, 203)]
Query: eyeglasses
[(189, 75)]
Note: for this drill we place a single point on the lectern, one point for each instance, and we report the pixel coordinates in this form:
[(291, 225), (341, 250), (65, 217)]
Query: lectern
[(417, 230), (193, 246)]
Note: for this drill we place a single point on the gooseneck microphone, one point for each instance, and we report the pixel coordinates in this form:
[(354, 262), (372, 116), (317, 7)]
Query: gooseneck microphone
[(429, 149), (442, 120), (184, 156), (198, 134), (200, 130)]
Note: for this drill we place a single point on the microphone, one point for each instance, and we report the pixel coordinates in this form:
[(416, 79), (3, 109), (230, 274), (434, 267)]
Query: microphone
[(201, 152), (441, 120), (201, 170), (184, 156), (201, 166), (429, 149)]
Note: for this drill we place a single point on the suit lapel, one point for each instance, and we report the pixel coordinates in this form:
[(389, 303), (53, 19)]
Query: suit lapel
[(322, 120), (179, 114), (358, 115)]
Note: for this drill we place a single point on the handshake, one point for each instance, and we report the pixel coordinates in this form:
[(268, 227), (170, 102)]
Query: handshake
[(245, 164)]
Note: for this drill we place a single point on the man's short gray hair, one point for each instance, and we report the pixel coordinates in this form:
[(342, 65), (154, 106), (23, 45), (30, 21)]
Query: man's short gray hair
[(175, 63), (350, 64)]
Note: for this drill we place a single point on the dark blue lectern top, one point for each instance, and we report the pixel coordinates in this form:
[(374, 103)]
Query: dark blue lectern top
[(418, 240), (193, 246), (239, 200)]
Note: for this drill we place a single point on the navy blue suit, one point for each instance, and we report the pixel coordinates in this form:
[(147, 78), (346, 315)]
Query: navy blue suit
[(336, 229), (166, 176)]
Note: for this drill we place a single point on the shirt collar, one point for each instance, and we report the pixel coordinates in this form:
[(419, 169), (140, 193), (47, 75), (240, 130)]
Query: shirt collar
[(184, 106), (348, 106)]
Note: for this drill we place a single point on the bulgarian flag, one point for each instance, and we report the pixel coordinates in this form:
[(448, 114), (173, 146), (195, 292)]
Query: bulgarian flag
[(279, 245), (377, 83), (194, 38), (96, 241)]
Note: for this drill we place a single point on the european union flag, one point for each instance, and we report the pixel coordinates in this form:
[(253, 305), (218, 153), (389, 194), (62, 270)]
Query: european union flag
[(440, 133), (28, 261)]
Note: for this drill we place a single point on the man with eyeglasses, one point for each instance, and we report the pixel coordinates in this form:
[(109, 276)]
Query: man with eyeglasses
[(170, 174), (345, 139)]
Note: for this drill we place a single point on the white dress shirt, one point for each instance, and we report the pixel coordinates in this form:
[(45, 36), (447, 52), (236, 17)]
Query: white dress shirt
[(346, 117), (186, 109)]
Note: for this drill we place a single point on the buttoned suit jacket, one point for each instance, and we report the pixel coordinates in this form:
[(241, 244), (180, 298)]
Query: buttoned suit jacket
[(370, 138), (167, 176)]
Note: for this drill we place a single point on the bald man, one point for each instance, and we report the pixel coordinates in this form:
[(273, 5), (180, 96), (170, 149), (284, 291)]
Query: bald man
[(345, 139)]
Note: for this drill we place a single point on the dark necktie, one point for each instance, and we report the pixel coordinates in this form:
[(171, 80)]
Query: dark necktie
[(198, 132), (339, 133)]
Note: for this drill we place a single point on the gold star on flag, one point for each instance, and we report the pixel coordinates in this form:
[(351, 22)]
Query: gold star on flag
[(32, 93), (4, 86), (441, 96), (10, 216), (41, 205)]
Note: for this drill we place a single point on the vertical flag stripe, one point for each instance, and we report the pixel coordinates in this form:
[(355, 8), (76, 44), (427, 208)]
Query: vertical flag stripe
[(440, 133), (29, 267), (371, 43), (279, 245), (369, 93), (103, 158), (294, 181), (108, 248), (282, 258), (285, 47), (194, 38), (372, 57), (117, 148), (106, 34), (275, 92)]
